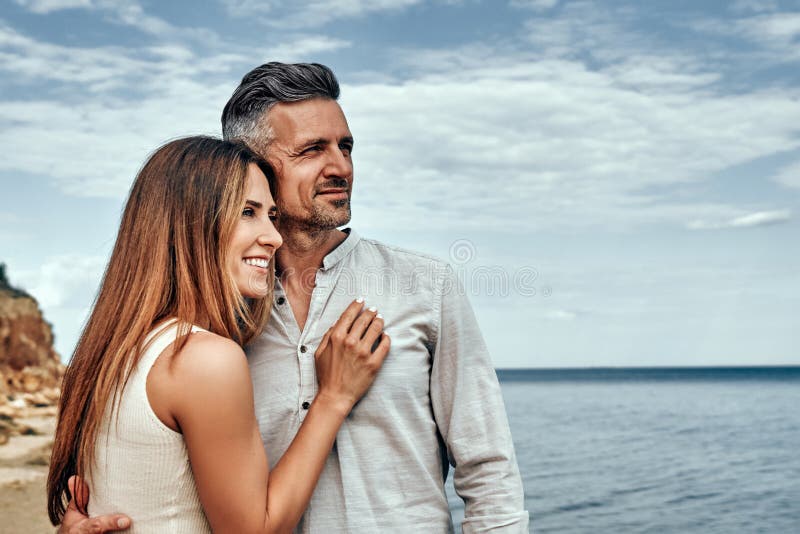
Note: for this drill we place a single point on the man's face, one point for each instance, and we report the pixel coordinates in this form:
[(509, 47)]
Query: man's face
[(310, 152)]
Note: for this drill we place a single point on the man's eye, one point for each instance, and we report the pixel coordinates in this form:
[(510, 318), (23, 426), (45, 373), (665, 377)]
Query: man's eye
[(315, 148)]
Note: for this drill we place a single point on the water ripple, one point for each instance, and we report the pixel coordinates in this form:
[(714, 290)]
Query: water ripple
[(668, 457)]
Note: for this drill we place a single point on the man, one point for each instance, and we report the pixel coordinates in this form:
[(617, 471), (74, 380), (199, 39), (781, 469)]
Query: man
[(436, 402)]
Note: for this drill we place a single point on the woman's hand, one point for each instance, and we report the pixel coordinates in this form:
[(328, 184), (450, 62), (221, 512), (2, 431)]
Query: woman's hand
[(345, 360)]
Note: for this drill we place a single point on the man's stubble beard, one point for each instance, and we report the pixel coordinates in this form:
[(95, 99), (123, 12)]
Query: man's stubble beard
[(320, 219), (330, 219)]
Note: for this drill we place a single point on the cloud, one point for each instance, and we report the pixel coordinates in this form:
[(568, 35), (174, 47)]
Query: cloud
[(65, 287), (750, 220), (305, 46), (658, 73), (27, 60), (44, 7), (775, 35), (761, 218), (62, 280), (789, 175), (125, 13), (782, 28), (587, 29), (311, 14), (7, 217), (123, 103), (550, 143), (756, 6), (111, 106), (132, 14), (560, 315), (592, 125), (536, 5), (488, 135)]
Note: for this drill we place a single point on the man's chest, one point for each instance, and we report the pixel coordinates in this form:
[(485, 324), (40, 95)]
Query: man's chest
[(284, 378), (298, 303)]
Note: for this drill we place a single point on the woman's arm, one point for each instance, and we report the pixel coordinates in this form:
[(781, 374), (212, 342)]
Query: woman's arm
[(211, 401)]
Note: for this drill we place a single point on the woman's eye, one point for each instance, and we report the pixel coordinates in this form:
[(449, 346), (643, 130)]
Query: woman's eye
[(248, 212)]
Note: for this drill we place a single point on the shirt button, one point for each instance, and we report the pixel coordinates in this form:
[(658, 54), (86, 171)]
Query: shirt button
[(303, 349), (280, 300), (306, 405)]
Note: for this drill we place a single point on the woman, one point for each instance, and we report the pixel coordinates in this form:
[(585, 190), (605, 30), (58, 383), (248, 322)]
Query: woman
[(157, 409)]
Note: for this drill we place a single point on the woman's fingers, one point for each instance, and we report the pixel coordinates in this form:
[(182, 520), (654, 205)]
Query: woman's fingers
[(381, 351), (351, 353), (349, 315), (360, 325), (373, 332), (324, 342)]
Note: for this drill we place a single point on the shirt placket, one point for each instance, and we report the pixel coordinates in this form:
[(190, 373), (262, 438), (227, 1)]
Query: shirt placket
[(305, 345), (283, 310)]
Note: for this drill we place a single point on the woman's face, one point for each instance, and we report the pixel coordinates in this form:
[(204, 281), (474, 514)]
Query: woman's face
[(254, 239)]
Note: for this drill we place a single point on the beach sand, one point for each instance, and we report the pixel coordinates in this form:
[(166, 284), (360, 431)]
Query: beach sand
[(23, 473)]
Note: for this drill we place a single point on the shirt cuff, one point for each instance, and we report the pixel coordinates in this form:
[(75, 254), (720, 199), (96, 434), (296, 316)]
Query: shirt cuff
[(516, 523)]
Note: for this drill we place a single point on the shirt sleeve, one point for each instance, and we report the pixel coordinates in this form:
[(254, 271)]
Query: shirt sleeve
[(471, 417)]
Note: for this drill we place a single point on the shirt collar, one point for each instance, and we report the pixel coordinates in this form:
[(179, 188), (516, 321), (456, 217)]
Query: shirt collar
[(345, 247)]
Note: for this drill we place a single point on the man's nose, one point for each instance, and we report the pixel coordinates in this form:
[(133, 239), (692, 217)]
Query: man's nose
[(339, 164)]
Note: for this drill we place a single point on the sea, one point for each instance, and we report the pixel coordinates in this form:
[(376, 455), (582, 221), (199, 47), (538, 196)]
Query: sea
[(664, 450)]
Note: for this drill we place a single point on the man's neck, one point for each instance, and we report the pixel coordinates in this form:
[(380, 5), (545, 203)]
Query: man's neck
[(302, 252), (298, 260)]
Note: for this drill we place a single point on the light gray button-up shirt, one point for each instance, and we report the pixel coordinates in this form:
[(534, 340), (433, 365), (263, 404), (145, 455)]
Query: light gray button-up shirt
[(436, 401)]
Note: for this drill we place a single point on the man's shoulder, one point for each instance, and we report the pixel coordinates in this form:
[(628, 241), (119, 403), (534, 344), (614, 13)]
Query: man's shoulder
[(402, 255)]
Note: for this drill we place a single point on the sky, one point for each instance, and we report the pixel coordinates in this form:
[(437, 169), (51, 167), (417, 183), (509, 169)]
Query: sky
[(616, 183)]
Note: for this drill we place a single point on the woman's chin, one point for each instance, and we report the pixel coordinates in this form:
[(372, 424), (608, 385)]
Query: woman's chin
[(254, 285), (254, 291), (250, 294)]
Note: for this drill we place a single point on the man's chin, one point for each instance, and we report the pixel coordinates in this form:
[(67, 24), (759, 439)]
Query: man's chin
[(330, 219), (344, 219), (338, 210)]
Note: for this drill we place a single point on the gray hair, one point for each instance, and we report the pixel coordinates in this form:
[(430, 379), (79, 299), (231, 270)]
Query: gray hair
[(245, 115)]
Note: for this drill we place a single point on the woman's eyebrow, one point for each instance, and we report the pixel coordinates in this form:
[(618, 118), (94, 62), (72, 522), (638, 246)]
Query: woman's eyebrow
[(254, 203)]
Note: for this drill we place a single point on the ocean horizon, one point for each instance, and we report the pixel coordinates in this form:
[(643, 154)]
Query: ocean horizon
[(698, 372)]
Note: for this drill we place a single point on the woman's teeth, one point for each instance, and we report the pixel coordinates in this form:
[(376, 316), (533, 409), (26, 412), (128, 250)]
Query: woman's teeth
[(257, 262)]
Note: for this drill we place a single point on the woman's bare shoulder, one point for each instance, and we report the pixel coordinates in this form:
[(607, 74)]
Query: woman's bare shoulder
[(208, 369), (210, 357), (210, 387), (208, 344)]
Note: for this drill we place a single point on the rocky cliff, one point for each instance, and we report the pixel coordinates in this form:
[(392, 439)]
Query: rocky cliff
[(30, 368)]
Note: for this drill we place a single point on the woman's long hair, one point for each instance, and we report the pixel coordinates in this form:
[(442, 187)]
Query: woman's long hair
[(169, 260)]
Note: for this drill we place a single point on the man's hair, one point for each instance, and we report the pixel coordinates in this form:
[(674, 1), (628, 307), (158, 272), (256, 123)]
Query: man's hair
[(244, 116)]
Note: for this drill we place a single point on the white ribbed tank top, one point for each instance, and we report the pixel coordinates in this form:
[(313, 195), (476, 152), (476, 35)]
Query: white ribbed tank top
[(142, 467)]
